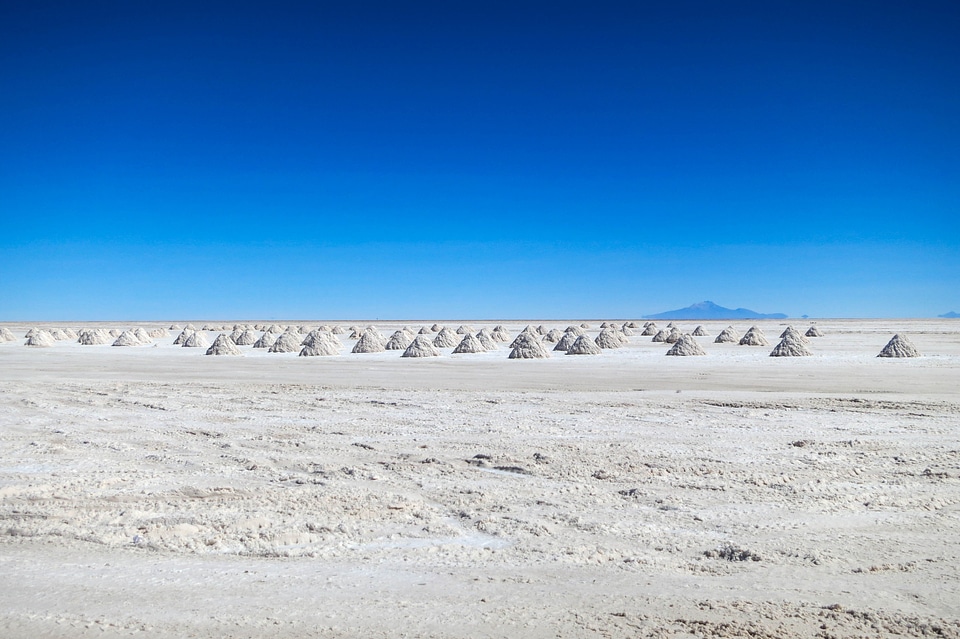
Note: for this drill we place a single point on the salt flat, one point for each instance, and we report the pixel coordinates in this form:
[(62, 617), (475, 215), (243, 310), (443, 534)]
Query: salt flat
[(153, 490)]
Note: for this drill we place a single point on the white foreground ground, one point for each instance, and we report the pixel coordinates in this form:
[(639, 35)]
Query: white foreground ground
[(157, 492)]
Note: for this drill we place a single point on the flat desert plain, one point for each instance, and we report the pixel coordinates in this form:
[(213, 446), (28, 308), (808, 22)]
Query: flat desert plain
[(154, 491)]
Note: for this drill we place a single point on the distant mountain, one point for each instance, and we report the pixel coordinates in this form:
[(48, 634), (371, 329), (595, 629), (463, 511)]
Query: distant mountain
[(710, 311), (950, 315)]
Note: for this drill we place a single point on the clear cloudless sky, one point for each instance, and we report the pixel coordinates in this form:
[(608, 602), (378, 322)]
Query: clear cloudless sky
[(477, 159)]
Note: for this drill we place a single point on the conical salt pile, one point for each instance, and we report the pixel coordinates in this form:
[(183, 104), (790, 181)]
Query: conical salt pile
[(208, 327), (287, 342), (59, 334), (142, 335), (338, 330), (584, 325), (421, 347), (609, 338), (553, 336), (40, 338), (699, 332), (223, 345), (789, 330), (790, 346), (500, 334), (686, 346), (436, 328), (71, 334), (369, 342), (182, 337), (190, 327), (235, 335), (528, 346), (319, 348), (93, 337), (604, 325), (583, 345), (157, 332), (649, 329), (727, 335), (813, 331), (327, 339), (661, 335), (469, 344), (542, 330), (567, 340), (246, 338), (795, 335), (195, 340), (899, 346), (485, 337), (463, 330), (674, 335), (266, 340), (754, 337), (576, 330), (127, 338), (175, 327), (626, 330), (527, 331), (399, 341), (446, 339), (424, 331), (671, 325), (6, 335), (114, 333)]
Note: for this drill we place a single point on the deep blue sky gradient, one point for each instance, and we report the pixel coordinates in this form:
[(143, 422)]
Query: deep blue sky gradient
[(514, 159)]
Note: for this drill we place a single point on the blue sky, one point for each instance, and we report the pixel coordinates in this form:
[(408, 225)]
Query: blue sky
[(496, 159)]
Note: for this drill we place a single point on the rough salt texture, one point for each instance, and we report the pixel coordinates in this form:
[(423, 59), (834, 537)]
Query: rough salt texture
[(899, 346), (399, 341), (319, 348), (487, 340), (40, 338), (727, 336), (583, 345), (790, 346), (421, 347), (369, 342), (686, 346), (195, 340), (446, 338), (223, 345), (469, 344), (753, 338), (155, 492), (128, 338), (528, 346), (286, 342), (567, 340), (609, 338)]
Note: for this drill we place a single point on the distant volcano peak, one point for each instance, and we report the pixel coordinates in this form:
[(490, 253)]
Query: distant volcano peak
[(708, 310)]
